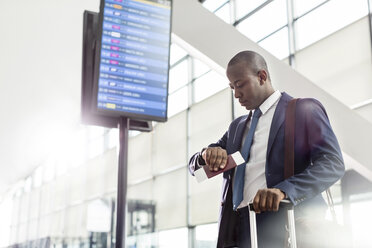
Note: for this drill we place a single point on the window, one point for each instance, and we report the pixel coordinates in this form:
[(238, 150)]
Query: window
[(243, 7), (360, 222), (176, 53), (209, 84), (327, 19), (224, 13), (212, 5), (165, 239), (199, 68), (267, 20), (277, 44), (206, 235), (178, 76), (174, 238), (6, 212), (302, 6), (178, 101)]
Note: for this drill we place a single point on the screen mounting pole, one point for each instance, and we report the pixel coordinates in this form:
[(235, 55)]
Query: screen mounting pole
[(122, 182)]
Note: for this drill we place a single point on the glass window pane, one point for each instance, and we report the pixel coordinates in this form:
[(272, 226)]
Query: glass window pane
[(205, 199), (206, 235), (277, 44), (243, 7), (212, 5), (199, 68), (327, 19), (98, 216), (301, 6), (170, 200), (265, 21), (6, 209), (177, 101), (166, 135), (224, 13), (178, 76), (140, 163), (143, 240), (209, 120), (174, 238), (176, 53), (208, 85), (156, 198)]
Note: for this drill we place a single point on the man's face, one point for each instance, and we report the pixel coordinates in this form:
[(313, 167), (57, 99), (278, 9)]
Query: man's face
[(246, 85)]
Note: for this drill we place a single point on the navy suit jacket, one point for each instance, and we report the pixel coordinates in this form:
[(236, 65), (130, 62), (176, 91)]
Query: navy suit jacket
[(318, 161)]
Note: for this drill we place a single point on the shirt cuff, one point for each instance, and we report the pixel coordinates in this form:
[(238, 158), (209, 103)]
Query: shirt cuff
[(200, 161)]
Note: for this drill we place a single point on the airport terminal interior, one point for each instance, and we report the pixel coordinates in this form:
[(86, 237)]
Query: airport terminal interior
[(58, 176)]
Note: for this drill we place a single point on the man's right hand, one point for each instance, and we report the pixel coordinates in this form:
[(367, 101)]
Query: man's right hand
[(215, 158)]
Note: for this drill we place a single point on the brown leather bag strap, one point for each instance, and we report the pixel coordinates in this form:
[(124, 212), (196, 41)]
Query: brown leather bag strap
[(289, 132)]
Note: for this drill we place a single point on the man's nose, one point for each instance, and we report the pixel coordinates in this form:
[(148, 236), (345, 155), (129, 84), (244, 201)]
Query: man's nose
[(237, 94)]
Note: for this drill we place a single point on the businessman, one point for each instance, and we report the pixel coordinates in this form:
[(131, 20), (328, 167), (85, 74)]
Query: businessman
[(259, 136)]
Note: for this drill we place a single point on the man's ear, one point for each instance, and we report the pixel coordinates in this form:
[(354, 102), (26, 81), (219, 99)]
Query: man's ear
[(262, 74)]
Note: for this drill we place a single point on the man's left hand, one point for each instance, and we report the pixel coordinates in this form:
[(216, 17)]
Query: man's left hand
[(267, 200)]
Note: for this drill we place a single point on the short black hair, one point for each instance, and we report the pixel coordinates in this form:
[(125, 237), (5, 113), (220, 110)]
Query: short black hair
[(253, 60)]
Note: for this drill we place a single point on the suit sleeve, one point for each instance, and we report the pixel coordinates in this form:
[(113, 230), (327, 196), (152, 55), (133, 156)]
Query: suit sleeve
[(196, 161), (326, 164)]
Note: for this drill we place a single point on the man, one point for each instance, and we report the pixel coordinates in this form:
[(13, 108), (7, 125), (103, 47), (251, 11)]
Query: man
[(259, 137)]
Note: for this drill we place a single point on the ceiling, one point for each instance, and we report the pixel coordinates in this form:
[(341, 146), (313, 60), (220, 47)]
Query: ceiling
[(40, 80)]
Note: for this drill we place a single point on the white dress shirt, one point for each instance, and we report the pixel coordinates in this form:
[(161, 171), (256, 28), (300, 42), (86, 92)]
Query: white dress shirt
[(255, 168)]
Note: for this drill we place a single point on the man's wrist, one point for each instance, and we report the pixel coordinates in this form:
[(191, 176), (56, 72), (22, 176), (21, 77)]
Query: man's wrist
[(201, 161)]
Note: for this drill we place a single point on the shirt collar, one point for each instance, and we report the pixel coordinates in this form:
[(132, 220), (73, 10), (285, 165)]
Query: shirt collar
[(270, 101)]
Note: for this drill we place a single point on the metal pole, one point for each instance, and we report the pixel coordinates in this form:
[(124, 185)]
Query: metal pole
[(370, 20), (253, 228), (122, 182), (112, 223), (291, 33), (292, 227)]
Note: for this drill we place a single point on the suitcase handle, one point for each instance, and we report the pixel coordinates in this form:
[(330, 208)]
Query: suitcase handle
[(283, 203), (291, 223)]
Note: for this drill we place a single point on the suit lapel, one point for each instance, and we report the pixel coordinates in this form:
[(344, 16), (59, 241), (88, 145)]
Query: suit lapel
[(238, 136), (278, 119)]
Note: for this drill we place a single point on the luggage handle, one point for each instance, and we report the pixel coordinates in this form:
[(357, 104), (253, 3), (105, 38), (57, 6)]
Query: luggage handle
[(284, 203), (291, 224)]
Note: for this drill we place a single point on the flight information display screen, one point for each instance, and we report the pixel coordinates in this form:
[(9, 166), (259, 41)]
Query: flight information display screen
[(132, 77)]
